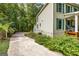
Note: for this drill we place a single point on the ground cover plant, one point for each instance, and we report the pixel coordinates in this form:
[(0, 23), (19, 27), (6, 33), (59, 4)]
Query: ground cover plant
[(67, 45)]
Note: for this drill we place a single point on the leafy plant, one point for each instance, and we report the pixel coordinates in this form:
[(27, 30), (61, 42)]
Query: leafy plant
[(65, 44), (5, 27)]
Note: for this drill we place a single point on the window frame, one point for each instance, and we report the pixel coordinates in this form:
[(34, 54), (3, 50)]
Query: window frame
[(68, 8), (60, 7), (59, 26)]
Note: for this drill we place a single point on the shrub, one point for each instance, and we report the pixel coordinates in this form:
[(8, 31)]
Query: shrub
[(65, 44)]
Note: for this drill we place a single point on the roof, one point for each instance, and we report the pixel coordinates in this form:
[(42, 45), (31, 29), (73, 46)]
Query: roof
[(74, 4), (42, 9), (71, 14)]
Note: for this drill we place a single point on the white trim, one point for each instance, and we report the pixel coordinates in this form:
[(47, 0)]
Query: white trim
[(41, 9), (76, 23), (64, 24), (71, 13)]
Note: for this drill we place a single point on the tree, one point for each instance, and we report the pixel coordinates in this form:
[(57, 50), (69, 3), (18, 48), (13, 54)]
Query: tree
[(22, 15), (5, 27), (32, 10)]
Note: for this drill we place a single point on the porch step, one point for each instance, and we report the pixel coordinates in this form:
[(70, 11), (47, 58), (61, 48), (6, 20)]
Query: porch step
[(73, 33)]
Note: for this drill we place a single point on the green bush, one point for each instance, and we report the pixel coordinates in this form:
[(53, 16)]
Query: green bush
[(66, 44)]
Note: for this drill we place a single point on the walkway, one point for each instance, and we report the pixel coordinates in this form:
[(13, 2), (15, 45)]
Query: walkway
[(24, 46)]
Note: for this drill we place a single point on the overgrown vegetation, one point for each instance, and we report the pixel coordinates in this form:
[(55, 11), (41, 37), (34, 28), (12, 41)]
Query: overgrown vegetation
[(4, 44), (22, 15), (16, 17), (67, 45), (32, 10)]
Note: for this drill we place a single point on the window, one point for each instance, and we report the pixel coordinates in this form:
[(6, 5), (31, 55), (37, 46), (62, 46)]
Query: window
[(68, 9), (75, 9), (63, 8), (40, 24), (60, 7), (59, 23)]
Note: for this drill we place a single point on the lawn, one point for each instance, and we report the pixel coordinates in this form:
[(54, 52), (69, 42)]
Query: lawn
[(4, 44), (67, 45)]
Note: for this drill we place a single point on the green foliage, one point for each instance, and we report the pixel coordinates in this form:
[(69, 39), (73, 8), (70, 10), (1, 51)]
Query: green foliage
[(32, 10), (14, 18), (6, 28), (66, 44), (4, 45), (22, 15)]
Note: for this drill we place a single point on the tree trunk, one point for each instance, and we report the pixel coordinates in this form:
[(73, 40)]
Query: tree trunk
[(6, 34)]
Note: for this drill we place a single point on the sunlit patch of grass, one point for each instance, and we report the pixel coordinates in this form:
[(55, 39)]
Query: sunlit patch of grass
[(4, 44)]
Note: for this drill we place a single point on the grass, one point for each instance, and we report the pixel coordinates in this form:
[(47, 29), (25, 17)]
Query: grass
[(67, 45), (4, 44)]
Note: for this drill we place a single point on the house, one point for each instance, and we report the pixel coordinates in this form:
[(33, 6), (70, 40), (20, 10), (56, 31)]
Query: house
[(57, 18)]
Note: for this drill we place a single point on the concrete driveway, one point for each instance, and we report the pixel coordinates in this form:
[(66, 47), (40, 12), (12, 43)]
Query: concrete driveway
[(25, 46)]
